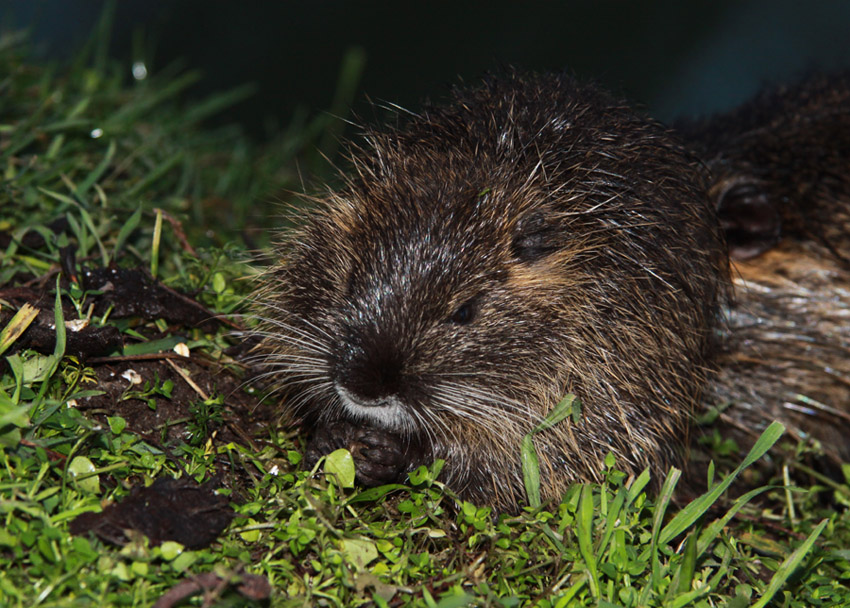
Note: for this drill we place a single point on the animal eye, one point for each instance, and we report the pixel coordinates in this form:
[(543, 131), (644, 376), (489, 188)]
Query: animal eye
[(464, 314)]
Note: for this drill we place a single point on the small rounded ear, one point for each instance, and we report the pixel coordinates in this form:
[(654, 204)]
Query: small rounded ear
[(535, 237), (750, 219)]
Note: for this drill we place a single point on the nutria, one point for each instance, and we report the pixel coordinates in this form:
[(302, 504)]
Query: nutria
[(780, 179), (532, 237)]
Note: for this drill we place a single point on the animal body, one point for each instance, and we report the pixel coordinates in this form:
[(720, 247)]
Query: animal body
[(780, 179), (532, 237)]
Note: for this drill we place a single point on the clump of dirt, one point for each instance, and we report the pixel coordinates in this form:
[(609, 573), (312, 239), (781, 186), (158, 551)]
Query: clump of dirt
[(169, 509)]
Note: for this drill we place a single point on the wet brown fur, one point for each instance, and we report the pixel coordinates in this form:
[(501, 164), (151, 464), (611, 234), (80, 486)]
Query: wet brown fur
[(780, 177), (786, 355), (533, 237)]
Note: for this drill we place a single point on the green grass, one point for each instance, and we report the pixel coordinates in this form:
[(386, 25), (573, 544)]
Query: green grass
[(80, 142)]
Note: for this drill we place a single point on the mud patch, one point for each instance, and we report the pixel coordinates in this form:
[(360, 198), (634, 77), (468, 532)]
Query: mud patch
[(170, 509)]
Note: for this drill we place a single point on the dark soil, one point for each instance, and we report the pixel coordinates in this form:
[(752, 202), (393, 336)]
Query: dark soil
[(154, 393)]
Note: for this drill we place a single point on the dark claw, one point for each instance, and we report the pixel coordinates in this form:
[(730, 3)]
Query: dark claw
[(323, 441)]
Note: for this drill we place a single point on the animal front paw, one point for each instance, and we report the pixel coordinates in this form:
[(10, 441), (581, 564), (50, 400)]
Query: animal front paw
[(379, 456)]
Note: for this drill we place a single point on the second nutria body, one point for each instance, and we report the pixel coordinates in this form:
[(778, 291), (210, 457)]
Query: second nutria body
[(780, 179), (531, 238)]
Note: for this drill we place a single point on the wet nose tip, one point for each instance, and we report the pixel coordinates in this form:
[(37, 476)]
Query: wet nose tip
[(372, 378)]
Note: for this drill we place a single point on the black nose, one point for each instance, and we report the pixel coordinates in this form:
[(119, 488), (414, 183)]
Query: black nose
[(371, 374)]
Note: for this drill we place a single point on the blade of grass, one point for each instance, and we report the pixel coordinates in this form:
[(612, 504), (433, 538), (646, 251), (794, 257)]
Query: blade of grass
[(157, 236), (571, 592), (687, 599), (638, 485), (97, 44), (59, 197), (688, 566), (126, 230), (16, 326), (712, 530), (154, 175), (17, 367), (58, 349), (132, 112), (66, 125), (349, 77), (215, 104), (96, 173), (55, 146), (663, 501), (528, 455), (611, 520), (789, 565), (687, 516), (104, 255), (530, 472), (584, 532)]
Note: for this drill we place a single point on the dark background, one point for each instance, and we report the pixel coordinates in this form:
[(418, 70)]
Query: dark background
[(676, 57)]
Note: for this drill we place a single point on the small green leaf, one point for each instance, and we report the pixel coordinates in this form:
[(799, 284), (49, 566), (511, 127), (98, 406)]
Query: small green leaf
[(166, 388), (8, 540), (358, 551), (139, 568), (84, 469), (339, 466), (184, 561), (218, 283), (250, 536), (455, 600), (11, 439), (116, 424), (12, 414), (38, 368), (170, 550)]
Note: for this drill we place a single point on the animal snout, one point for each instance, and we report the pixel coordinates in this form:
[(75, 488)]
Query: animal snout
[(371, 375)]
